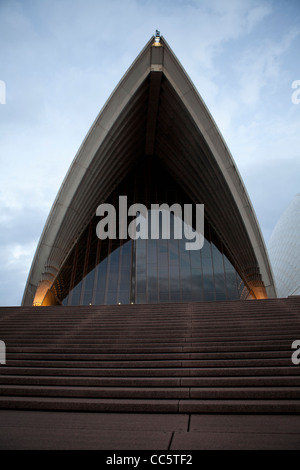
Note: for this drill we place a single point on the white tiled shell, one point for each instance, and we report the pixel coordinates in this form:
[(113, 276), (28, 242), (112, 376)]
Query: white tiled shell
[(284, 250)]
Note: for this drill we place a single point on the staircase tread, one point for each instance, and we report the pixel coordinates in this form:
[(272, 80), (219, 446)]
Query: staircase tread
[(203, 357)]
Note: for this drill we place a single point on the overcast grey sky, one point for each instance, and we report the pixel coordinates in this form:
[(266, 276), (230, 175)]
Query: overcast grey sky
[(61, 59)]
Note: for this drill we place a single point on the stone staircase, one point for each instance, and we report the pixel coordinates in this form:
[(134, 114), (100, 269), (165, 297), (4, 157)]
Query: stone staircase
[(206, 357)]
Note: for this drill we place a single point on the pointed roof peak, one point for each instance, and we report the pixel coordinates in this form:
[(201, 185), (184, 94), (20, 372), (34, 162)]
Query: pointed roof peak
[(157, 39)]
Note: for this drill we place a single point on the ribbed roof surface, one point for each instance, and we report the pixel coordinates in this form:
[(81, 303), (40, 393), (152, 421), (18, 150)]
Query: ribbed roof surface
[(284, 249)]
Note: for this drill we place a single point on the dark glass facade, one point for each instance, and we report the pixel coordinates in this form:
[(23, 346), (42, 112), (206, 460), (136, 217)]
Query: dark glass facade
[(149, 270)]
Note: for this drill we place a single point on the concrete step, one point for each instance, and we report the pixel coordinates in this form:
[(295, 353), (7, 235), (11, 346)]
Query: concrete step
[(153, 392), (144, 356), (260, 381), (172, 340), (94, 392), (153, 364), (151, 405), (240, 406), (154, 372), (91, 404), (146, 348), (204, 357), (101, 324), (130, 340), (93, 381)]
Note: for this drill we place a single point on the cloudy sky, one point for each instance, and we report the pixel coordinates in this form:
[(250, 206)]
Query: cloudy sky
[(61, 59)]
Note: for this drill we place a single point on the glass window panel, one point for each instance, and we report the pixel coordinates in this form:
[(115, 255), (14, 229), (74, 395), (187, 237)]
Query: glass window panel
[(196, 285), (101, 283), (221, 295), (163, 279), (174, 273), (124, 296), (114, 257), (125, 278), (207, 269), (209, 294), (206, 253), (231, 280), (146, 270), (113, 275), (74, 298), (219, 273), (164, 296), (175, 296), (220, 284), (163, 252), (174, 283), (152, 278), (88, 288), (185, 273), (126, 254), (141, 245), (217, 260), (196, 259), (173, 253), (125, 272), (152, 251), (186, 294), (141, 283), (111, 297), (141, 298), (153, 297), (231, 285), (113, 278), (141, 267), (140, 261), (163, 286), (184, 254)]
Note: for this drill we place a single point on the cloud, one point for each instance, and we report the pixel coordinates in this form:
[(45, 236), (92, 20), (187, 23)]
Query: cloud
[(260, 68), (15, 262)]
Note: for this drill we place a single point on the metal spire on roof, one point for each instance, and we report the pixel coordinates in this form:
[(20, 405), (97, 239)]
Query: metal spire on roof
[(157, 38)]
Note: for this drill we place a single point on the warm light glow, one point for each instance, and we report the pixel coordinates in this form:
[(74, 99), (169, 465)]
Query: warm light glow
[(157, 39), (259, 292), (42, 297)]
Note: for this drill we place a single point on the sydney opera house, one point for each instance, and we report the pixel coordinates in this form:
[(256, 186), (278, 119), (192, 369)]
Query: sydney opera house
[(165, 347), (155, 142)]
